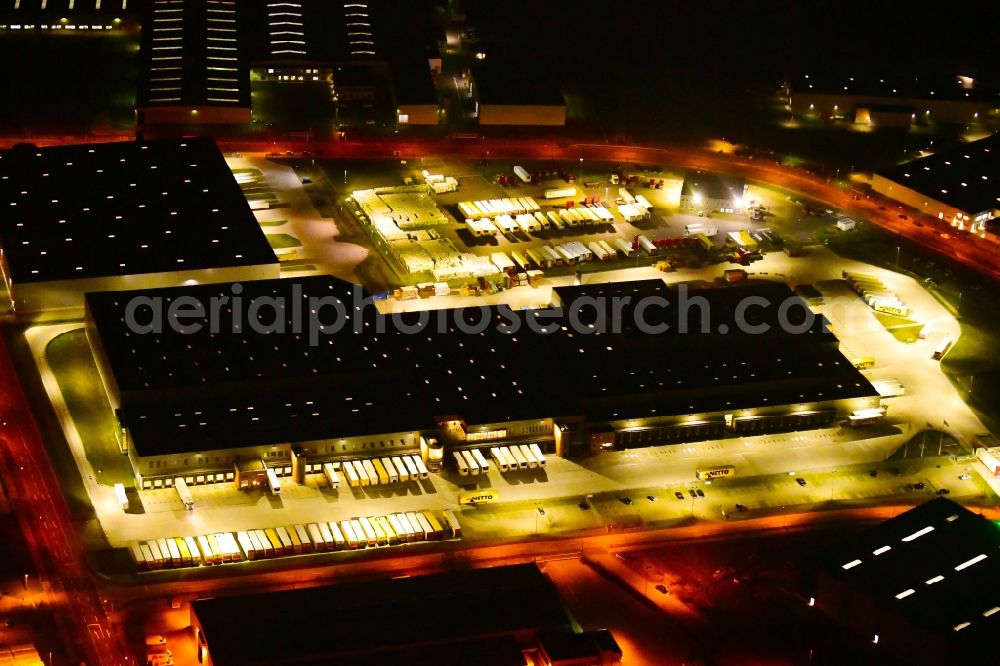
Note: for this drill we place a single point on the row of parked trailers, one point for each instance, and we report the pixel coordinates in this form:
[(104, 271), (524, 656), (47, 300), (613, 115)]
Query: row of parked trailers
[(350, 534), (379, 471), (531, 222), (569, 254), (472, 462), (876, 294), (476, 210)]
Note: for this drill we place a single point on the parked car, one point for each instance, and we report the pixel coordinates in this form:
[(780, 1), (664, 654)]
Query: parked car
[(800, 481)]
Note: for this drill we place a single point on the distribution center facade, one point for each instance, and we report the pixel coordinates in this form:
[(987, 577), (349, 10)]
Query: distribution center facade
[(922, 585), (195, 404), (121, 216), (960, 186)]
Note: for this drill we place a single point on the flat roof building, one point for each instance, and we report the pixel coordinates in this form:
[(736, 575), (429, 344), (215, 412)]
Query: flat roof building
[(960, 185), (122, 216), (711, 192), (889, 101), (508, 94), (921, 585), (65, 15), (194, 69), (500, 608), (307, 362)]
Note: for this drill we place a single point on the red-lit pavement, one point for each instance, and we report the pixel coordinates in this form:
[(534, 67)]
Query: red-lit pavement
[(36, 496)]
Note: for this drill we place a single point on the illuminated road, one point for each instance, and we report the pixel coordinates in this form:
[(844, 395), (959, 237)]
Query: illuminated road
[(49, 531)]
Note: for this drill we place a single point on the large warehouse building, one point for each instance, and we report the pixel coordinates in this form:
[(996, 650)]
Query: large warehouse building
[(490, 617), (197, 402), (922, 585), (888, 102), (960, 186), (121, 216)]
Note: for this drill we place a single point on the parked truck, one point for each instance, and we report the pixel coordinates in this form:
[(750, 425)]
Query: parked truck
[(523, 174), (180, 485), (560, 192), (121, 496), (646, 245)]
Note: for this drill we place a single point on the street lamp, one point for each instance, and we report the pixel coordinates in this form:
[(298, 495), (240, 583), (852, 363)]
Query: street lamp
[(581, 171), (539, 511), (898, 247)]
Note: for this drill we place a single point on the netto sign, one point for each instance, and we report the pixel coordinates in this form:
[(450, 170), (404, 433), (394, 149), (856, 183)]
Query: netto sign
[(478, 497)]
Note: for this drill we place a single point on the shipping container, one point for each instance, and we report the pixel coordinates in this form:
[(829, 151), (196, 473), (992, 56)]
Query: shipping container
[(539, 456), (560, 192), (425, 526), (359, 532), (471, 462), (380, 471), (460, 464), (287, 548), (401, 472), (411, 467), (453, 525), (369, 531), (421, 468), (121, 496), (352, 539), (484, 464), (437, 532), (331, 476), (339, 538), (296, 541), (316, 536), (373, 477)]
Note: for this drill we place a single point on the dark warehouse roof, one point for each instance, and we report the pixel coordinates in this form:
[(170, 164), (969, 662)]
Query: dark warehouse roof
[(966, 177), (351, 619), (205, 390), (890, 87), (936, 566), (713, 186), (123, 208)]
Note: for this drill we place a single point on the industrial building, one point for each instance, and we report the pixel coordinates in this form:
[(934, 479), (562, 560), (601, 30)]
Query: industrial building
[(710, 192), (311, 387), (505, 94), (485, 616), (960, 185), (120, 216), (194, 70), (890, 102), (66, 15), (921, 585)]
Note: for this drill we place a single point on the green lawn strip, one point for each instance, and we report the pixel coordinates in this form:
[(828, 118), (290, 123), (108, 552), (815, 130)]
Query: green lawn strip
[(283, 241), (76, 374), (901, 328)]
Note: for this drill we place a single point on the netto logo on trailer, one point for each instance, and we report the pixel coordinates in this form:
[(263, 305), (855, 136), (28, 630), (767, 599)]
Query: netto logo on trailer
[(891, 309), (716, 472), (478, 497)]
